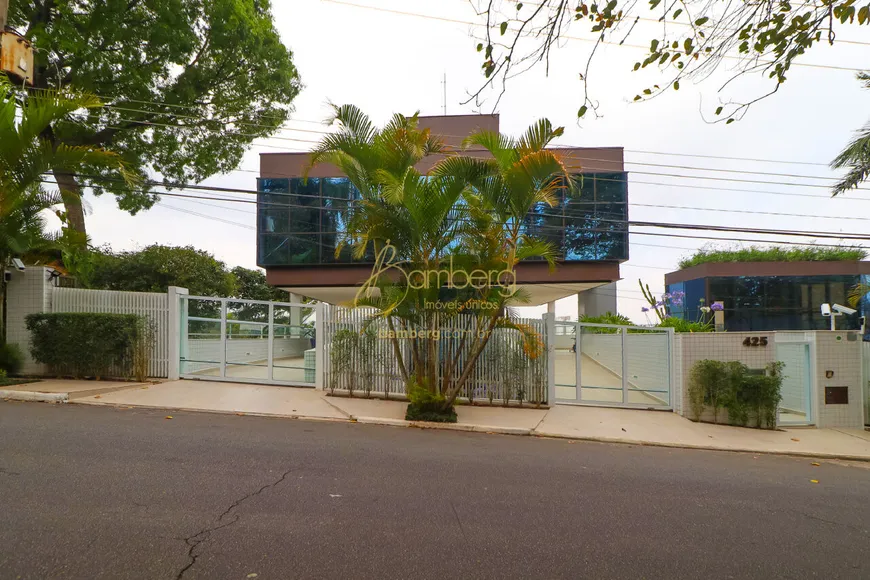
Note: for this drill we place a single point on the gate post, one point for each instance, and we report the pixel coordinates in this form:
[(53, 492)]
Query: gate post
[(320, 344), (624, 333), (177, 312), (550, 330)]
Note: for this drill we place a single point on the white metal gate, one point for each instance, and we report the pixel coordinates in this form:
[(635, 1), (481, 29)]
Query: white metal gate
[(249, 341), (617, 366)]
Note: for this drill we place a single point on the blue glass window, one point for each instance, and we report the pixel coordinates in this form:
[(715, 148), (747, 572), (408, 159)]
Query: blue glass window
[(302, 221)]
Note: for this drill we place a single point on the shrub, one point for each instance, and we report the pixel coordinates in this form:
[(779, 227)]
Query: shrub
[(734, 387), (11, 359), (143, 347), (427, 406), (84, 344), (680, 325)]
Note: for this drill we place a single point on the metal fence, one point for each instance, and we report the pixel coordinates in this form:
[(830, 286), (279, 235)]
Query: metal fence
[(362, 357), (603, 364), (154, 306)]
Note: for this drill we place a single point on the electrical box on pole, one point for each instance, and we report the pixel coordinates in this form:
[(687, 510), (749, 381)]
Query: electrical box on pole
[(16, 52)]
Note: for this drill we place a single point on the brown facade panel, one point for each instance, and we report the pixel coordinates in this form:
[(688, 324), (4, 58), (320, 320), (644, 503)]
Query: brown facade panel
[(734, 269), (527, 273)]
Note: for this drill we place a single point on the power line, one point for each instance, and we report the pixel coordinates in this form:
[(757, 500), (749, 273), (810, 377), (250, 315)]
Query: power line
[(555, 147), (814, 234)]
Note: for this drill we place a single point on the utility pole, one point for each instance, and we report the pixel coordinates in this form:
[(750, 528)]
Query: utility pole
[(444, 82)]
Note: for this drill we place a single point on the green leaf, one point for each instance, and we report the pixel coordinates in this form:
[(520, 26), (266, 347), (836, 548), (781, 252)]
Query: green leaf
[(864, 15), (637, 97), (677, 13), (636, 66), (479, 47), (653, 46), (718, 110), (701, 21), (582, 111), (503, 28), (647, 92), (519, 5), (729, 121), (676, 85)]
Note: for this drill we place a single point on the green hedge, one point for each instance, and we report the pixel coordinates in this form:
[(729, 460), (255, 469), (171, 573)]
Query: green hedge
[(84, 344), (762, 254)]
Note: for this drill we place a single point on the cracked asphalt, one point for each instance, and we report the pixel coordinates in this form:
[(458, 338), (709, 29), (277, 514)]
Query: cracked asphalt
[(100, 492)]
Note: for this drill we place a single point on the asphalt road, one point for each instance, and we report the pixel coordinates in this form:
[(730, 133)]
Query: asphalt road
[(97, 492)]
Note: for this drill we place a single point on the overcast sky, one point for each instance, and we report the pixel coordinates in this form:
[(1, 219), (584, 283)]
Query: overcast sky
[(385, 63)]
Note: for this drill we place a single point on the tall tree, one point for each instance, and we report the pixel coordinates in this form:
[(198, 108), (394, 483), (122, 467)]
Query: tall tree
[(155, 268), (188, 85), (25, 155), (685, 39), (467, 213)]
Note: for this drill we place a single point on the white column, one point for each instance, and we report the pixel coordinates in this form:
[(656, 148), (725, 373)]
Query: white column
[(296, 315), (319, 344), (177, 330), (551, 307), (28, 292), (550, 329)]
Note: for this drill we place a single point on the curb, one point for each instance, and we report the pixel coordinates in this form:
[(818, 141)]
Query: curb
[(620, 441), (466, 427), (35, 396), (214, 411), (462, 427)]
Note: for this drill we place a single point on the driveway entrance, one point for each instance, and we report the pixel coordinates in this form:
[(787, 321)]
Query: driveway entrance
[(227, 339), (618, 366)]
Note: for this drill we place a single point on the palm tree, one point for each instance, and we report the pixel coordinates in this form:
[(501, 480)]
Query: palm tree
[(521, 174), (471, 211), (856, 156), (25, 157)]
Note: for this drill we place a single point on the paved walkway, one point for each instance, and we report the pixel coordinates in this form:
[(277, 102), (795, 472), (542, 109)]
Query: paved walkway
[(62, 390), (571, 422)]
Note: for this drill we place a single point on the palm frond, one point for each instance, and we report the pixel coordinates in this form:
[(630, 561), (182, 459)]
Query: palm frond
[(538, 136), (856, 156), (857, 293)]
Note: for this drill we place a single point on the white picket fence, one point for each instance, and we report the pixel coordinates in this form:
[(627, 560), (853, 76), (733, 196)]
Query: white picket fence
[(360, 358), (152, 305)]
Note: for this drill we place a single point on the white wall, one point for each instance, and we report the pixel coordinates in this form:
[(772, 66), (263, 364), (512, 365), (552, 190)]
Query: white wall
[(28, 292), (153, 305)]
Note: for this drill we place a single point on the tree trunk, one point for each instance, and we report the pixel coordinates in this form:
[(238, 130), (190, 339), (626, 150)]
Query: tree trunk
[(472, 361), (397, 350), (71, 192)]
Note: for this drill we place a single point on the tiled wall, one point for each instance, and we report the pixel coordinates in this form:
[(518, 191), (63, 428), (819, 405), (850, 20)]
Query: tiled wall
[(28, 292), (832, 351), (836, 353)]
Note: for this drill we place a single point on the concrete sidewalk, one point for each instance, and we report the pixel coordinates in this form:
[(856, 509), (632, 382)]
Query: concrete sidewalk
[(571, 422), (62, 390)]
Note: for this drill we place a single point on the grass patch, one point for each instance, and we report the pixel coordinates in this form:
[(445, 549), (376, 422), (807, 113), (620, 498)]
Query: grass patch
[(13, 382), (430, 413), (762, 254)]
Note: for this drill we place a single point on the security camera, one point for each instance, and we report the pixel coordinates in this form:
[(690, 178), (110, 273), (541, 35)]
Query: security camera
[(18, 264), (844, 309), (826, 309)]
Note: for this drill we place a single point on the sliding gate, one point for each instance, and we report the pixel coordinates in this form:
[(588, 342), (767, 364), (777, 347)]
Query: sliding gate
[(617, 366), (249, 341)]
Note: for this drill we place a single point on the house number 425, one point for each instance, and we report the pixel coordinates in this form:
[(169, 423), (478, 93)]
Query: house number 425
[(755, 341)]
